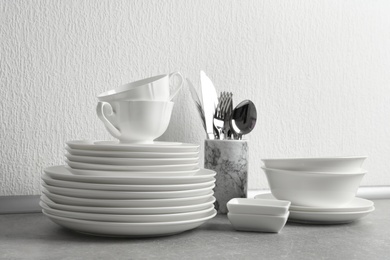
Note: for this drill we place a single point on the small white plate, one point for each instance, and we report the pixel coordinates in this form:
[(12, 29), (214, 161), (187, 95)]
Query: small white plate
[(258, 206), (327, 217), (104, 173), (62, 173), (258, 223), (155, 168), (123, 187), (156, 147), (122, 154), (131, 203), (133, 211), (356, 205), (128, 218), (105, 194), (131, 161), (102, 228)]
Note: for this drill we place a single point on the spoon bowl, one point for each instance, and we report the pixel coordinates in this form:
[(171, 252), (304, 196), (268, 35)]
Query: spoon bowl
[(243, 119)]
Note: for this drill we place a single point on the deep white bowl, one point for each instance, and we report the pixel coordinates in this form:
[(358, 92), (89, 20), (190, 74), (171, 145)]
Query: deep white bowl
[(313, 189), (258, 223), (320, 164), (258, 206)]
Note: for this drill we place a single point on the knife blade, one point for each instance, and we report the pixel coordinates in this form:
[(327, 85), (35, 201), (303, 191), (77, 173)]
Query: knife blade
[(210, 102)]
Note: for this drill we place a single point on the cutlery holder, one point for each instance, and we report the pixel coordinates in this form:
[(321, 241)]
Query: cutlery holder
[(229, 158)]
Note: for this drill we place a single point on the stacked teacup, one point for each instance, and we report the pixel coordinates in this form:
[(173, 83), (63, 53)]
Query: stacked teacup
[(321, 190), (135, 186)]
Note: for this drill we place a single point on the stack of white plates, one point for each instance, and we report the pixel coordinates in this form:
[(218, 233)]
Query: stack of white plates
[(129, 190)]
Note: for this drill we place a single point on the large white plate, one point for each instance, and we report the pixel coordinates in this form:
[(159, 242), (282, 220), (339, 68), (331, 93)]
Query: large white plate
[(155, 168), (105, 173), (156, 147), (327, 217), (131, 203), (105, 194), (356, 205), (61, 173), (123, 187), (128, 218), (131, 161), (133, 211), (122, 154), (128, 229)]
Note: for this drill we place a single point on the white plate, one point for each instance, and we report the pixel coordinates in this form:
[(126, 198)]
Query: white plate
[(105, 194), (61, 173), (131, 161), (119, 154), (102, 228), (123, 187), (356, 205), (327, 217), (114, 174), (128, 218), (155, 168), (131, 203), (156, 147), (133, 211)]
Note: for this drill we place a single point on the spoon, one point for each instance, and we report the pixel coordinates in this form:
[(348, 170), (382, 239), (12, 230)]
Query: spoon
[(243, 119)]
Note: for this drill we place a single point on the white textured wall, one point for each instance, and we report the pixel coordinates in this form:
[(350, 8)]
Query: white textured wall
[(318, 72)]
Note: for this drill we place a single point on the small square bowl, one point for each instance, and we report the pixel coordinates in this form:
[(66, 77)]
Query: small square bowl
[(258, 206), (258, 223)]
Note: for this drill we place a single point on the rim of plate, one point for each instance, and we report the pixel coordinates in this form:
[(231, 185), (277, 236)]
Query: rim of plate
[(113, 144), (318, 158)]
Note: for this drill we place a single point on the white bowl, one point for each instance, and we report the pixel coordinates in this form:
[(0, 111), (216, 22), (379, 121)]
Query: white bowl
[(258, 206), (320, 164), (313, 189), (258, 223)]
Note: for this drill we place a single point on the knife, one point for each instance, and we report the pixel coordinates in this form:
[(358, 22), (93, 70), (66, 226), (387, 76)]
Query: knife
[(210, 102)]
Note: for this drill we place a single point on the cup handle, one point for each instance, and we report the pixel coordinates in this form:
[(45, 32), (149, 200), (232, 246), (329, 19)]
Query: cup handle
[(109, 126), (176, 88)]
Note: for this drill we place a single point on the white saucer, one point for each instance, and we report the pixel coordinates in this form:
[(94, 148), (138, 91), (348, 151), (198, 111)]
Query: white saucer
[(133, 211), (128, 218), (327, 217), (61, 173), (356, 205), (106, 194), (123, 187), (122, 154), (102, 228), (131, 203), (156, 147), (131, 161)]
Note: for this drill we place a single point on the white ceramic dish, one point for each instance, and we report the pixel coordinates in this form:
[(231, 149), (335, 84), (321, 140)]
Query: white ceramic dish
[(132, 211), (320, 164), (131, 161), (104, 173), (258, 206), (130, 203), (152, 168), (138, 155), (356, 205), (328, 217), (156, 147), (128, 218), (62, 173), (105, 194), (258, 223), (123, 187), (313, 189), (102, 228)]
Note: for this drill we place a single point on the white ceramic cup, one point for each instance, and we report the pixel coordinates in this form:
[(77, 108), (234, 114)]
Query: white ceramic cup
[(135, 121), (157, 88)]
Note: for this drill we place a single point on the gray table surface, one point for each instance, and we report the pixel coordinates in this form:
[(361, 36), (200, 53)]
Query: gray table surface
[(34, 236)]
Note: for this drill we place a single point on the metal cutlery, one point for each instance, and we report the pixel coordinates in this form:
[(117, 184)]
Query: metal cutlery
[(210, 102)]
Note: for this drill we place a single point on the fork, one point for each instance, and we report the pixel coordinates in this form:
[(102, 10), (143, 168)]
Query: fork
[(221, 115)]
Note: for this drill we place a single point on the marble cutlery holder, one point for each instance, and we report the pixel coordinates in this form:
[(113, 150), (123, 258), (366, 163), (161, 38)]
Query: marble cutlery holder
[(229, 158)]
